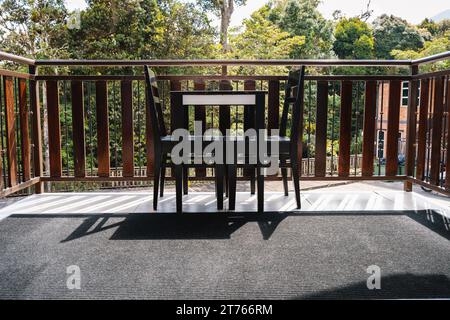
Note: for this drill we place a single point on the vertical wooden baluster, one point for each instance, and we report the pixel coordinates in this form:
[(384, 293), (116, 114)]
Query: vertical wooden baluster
[(127, 128), (54, 129), (24, 129), (345, 130), (422, 131), (101, 98), (175, 85), (79, 147), (36, 129), (224, 111), (438, 109), (2, 183), (370, 113), (249, 122), (149, 139), (273, 114), (393, 127), (11, 152), (447, 166), (320, 165), (429, 129), (273, 111), (200, 115), (249, 115), (411, 128)]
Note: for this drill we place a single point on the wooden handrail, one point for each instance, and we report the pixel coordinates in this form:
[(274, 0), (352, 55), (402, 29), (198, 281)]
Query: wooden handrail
[(166, 63), (14, 58), (433, 58), (221, 77), (190, 63)]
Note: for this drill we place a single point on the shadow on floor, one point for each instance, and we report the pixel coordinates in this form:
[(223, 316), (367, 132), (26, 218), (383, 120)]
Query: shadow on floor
[(135, 226), (401, 286), (173, 227), (434, 221)]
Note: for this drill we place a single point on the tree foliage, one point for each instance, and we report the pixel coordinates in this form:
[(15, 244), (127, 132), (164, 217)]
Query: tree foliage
[(141, 29), (394, 33), (262, 39), (353, 39), (33, 28), (437, 45), (302, 18), (436, 29)]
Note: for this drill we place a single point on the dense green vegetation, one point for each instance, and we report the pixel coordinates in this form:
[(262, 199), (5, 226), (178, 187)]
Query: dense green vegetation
[(151, 29)]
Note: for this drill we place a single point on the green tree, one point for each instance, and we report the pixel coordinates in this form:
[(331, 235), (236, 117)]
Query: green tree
[(354, 39), (34, 29), (429, 25), (187, 32), (223, 9), (262, 39), (437, 45), (436, 29), (302, 18), (141, 30), (394, 33)]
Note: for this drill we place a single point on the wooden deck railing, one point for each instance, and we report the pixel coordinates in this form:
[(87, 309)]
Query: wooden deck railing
[(94, 128)]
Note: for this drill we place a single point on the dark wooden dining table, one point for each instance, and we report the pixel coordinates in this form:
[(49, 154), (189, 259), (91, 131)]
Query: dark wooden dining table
[(182, 100)]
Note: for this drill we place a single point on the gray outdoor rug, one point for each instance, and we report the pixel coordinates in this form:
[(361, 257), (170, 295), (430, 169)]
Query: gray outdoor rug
[(218, 256)]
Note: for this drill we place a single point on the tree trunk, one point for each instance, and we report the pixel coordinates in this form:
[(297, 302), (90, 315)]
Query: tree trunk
[(226, 11)]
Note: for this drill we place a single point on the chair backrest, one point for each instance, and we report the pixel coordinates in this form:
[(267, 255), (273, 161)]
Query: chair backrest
[(154, 105), (294, 94)]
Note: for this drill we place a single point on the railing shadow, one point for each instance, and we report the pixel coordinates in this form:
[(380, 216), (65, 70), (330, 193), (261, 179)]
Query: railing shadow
[(221, 225), (400, 286)]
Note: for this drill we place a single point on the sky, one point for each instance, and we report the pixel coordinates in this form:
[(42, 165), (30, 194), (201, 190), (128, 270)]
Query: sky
[(412, 10)]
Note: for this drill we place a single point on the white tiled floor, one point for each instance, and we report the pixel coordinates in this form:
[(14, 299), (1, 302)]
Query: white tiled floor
[(351, 197)]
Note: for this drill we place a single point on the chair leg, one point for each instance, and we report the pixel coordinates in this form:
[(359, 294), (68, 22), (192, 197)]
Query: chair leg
[(219, 185), (156, 176), (232, 173), (226, 181), (185, 180), (179, 187), (284, 176), (163, 176), (296, 179), (285, 181), (260, 183), (252, 181)]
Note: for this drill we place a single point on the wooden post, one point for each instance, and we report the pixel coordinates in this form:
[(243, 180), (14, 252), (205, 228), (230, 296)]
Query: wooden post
[(36, 127), (411, 129), (10, 119)]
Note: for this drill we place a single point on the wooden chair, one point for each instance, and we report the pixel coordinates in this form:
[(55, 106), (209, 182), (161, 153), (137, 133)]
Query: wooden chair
[(288, 137), (162, 147)]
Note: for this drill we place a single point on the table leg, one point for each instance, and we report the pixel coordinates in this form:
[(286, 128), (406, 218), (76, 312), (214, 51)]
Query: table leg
[(219, 168), (232, 172), (185, 180), (178, 187), (260, 183)]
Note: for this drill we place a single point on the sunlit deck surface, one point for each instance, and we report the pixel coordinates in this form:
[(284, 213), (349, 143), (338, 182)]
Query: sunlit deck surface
[(322, 251)]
